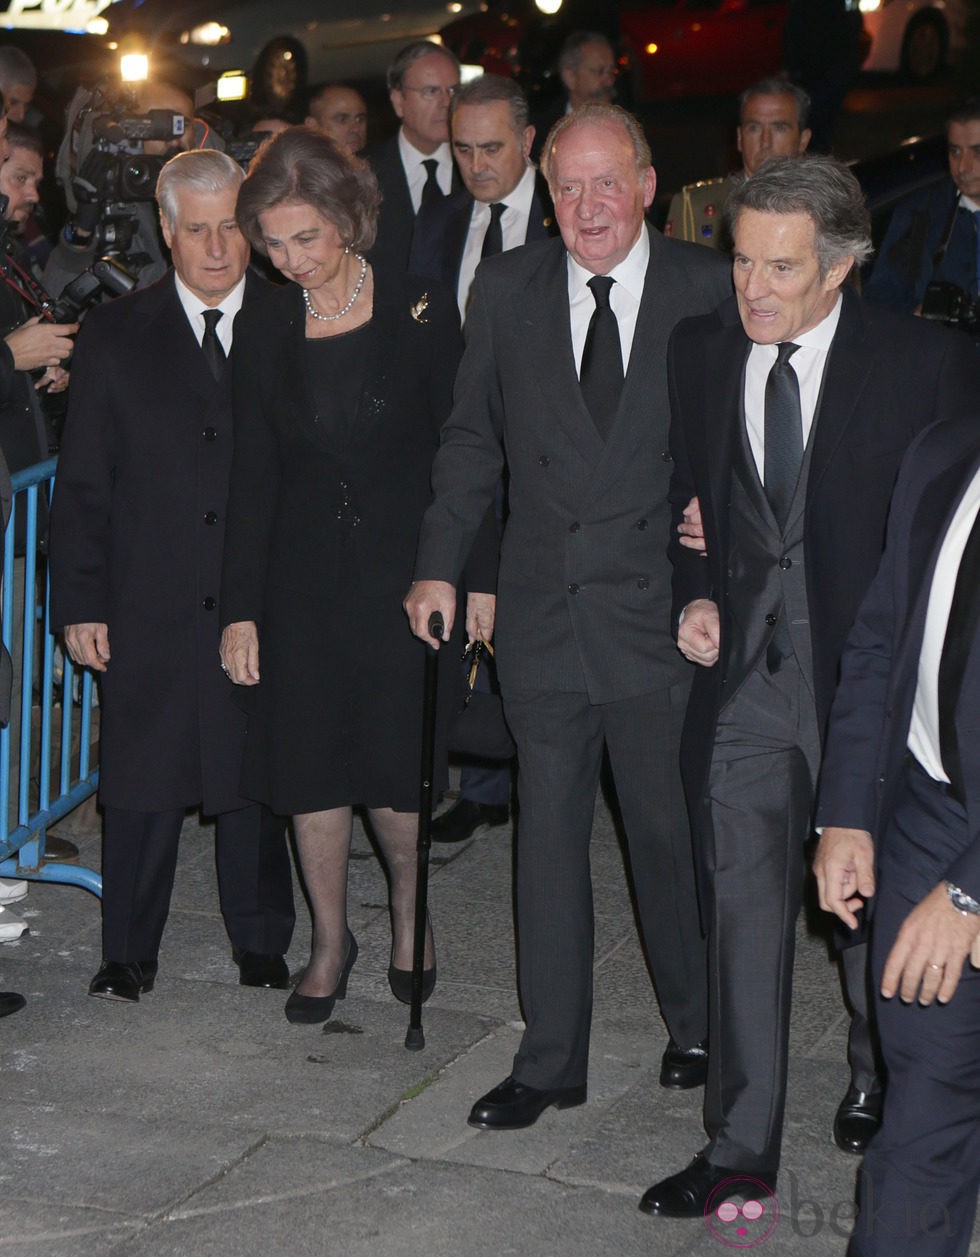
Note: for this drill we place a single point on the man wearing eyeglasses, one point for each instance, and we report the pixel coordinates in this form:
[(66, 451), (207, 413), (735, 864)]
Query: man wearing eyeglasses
[(415, 166)]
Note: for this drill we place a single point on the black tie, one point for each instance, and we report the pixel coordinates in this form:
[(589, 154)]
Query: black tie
[(601, 376), (493, 241), (783, 433), (960, 632), (430, 189), (213, 351)]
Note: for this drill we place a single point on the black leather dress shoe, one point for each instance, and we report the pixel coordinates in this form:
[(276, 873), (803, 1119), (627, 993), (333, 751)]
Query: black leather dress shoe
[(512, 1105), (125, 980), (684, 1068), (858, 1118), (257, 969), (10, 1002), (464, 818), (686, 1194)]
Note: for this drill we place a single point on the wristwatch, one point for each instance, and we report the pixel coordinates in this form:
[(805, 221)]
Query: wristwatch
[(961, 901)]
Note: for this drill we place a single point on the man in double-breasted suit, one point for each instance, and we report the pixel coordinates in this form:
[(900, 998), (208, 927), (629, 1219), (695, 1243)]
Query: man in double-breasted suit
[(899, 807), (136, 539), (794, 473), (583, 650)]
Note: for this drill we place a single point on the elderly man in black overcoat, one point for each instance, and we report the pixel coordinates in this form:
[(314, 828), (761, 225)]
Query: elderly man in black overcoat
[(136, 539)]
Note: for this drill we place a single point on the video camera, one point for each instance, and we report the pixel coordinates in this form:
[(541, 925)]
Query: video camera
[(949, 304)]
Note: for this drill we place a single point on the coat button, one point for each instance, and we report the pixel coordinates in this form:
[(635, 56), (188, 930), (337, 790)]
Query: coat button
[(544, 461), (573, 588), (665, 455), (210, 434), (209, 603), (574, 527), (785, 563), (641, 524), (210, 518), (643, 583), (771, 618)]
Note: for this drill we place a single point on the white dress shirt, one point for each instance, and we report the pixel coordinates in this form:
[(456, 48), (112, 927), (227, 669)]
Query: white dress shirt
[(923, 740), (229, 306), (808, 362), (513, 226), (416, 173), (624, 298)]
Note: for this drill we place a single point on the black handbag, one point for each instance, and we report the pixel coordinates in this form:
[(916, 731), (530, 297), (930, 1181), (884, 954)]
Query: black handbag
[(479, 728)]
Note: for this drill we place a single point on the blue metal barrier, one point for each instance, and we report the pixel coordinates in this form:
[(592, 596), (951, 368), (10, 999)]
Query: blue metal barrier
[(59, 732)]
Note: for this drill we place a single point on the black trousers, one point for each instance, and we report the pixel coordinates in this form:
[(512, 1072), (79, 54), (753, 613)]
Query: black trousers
[(139, 860), (921, 1173), (560, 739)]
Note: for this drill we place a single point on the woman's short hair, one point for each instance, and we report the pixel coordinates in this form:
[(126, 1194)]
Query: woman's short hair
[(302, 167), (204, 170)]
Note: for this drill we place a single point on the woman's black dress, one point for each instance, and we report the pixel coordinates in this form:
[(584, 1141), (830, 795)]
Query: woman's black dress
[(334, 441)]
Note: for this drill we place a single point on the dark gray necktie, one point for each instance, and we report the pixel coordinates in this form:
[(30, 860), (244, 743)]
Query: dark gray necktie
[(601, 376), (783, 433), (960, 632), (213, 350), (431, 190), (493, 241)]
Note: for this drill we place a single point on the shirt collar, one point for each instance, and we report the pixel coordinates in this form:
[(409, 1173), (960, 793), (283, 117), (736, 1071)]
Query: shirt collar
[(968, 203), (519, 197), (630, 273), (412, 157), (194, 307)]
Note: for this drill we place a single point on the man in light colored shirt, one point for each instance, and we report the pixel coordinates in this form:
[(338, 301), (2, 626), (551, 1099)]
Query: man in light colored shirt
[(416, 164), (135, 559), (565, 368), (899, 806), (791, 441)]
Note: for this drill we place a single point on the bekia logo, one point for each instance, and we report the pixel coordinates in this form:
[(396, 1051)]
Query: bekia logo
[(743, 1225)]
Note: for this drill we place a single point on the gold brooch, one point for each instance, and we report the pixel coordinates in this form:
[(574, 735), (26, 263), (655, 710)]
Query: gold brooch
[(420, 307)]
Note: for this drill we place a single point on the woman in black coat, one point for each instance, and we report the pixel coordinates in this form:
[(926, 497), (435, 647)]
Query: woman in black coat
[(342, 382)]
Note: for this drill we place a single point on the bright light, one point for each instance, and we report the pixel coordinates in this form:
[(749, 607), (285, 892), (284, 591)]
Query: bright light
[(454, 8), (232, 85), (549, 7), (652, 48), (869, 6), (134, 67), (208, 35), (97, 26), (469, 72)]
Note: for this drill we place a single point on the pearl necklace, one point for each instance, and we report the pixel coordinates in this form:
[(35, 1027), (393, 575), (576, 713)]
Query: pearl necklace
[(330, 318)]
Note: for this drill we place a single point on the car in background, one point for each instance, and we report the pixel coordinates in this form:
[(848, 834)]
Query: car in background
[(282, 46)]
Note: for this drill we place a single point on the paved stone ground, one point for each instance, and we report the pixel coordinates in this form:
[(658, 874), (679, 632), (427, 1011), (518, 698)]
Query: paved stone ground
[(201, 1123)]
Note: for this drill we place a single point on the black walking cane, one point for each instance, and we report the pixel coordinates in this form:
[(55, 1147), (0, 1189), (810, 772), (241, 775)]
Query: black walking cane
[(415, 1038)]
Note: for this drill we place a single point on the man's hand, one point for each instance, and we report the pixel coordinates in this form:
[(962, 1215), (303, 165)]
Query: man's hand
[(425, 597), (927, 958), (480, 611), (55, 380), (239, 652), (88, 645), (40, 344), (691, 532), (700, 632), (844, 865)]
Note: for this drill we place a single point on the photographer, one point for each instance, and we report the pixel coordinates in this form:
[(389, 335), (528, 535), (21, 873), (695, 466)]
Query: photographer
[(932, 239)]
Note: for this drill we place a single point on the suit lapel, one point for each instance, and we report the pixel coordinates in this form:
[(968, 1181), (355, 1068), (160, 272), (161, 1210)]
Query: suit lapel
[(170, 329), (548, 338), (845, 376)]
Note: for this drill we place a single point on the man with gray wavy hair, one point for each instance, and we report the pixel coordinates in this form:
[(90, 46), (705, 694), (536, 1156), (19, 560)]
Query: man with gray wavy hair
[(790, 444)]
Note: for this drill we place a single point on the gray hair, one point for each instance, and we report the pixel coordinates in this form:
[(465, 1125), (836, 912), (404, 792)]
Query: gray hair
[(302, 167), (774, 85), (489, 88), (16, 67), (571, 50), (599, 111), (822, 188), (411, 53), (203, 169)]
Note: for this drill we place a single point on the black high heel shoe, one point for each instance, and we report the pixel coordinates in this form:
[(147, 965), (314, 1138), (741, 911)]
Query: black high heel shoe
[(310, 1009), (400, 981)]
